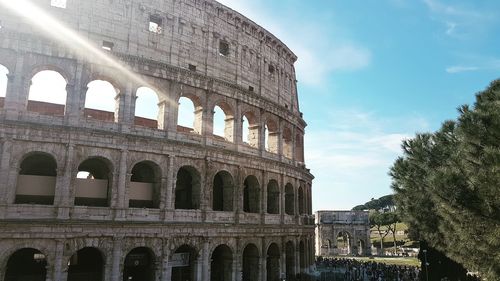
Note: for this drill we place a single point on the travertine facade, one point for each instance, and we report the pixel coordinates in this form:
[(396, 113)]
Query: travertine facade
[(342, 233), (87, 194)]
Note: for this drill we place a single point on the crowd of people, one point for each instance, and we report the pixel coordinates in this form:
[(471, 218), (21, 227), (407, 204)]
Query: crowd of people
[(356, 270)]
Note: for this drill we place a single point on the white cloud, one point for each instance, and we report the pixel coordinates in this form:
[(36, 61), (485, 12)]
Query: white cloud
[(460, 68)]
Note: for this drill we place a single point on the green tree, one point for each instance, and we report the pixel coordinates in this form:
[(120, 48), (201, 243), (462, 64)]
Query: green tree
[(447, 185), (381, 222)]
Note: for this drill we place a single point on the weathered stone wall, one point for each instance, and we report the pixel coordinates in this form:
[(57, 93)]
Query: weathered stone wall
[(70, 134)]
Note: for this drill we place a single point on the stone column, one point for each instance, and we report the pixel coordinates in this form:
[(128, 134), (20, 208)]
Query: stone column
[(118, 201), (74, 94), (4, 170), (116, 259), (59, 262), (297, 256), (263, 195), (16, 90), (63, 186), (171, 175), (166, 272), (238, 125), (262, 261), (204, 267), (282, 199), (163, 115)]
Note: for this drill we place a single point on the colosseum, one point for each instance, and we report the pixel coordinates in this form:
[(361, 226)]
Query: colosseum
[(93, 193)]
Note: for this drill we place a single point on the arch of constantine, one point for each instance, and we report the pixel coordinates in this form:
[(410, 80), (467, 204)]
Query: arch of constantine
[(90, 192)]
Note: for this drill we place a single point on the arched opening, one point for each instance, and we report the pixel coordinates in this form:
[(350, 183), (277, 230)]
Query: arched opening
[(273, 197), (250, 129), (223, 121), (189, 115), (299, 148), (86, 264), (302, 256), (93, 182), (250, 266), (145, 186), (289, 200), (139, 265), (271, 136), (101, 101), (26, 264), (273, 263), (301, 200), (4, 79), (187, 188), (36, 182), (287, 143), (251, 195), (361, 247), (222, 196), (343, 243), (290, 260), (146, 108), (183, 264), (221, 266), (47, 94)]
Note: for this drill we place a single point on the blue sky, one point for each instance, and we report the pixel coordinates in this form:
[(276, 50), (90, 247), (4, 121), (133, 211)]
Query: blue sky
[(374, 72)]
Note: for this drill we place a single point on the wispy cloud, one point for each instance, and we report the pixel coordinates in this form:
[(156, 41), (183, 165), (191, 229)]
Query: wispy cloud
[(460, 68)]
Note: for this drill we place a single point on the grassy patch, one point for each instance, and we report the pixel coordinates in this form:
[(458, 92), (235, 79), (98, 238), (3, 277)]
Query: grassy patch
[(392, 260)]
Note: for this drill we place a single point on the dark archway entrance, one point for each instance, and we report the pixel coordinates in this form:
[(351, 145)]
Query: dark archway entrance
[(86, 265), (290, 260), (139, 265), (251, 268), (221, 268), (183, 264), (222, 198), (26, 264), (273, 263)]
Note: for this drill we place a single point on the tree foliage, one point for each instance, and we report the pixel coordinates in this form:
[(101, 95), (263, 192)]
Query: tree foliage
[(376, 204), (385, 223), (447, 185)]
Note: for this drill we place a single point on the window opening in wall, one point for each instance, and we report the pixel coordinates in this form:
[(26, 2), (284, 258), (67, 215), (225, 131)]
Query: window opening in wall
[(100, 101), (86, 264), (144, 186), (36, 181), (187, 189), (58, 3), (289, 200), (108, 46), (93, 190), (290, 260), (188, 271), (287, 143), (192, 67), (185, 119), (47, 94), (139, 264), (245, 129), (250, 88), (250, 265), (26, 264), (221, 263), (266, 137), (251, 195), (273, 195), (3, 81), (273, 262), (223, 48), (222, 197), (218, 121), (271, 136), (146, 108), (271, 69), (155, 24)]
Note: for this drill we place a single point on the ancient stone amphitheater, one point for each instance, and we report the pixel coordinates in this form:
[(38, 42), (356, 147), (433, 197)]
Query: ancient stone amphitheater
[(94, 193)]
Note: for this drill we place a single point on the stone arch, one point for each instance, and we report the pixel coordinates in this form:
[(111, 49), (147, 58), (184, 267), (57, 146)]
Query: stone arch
[(86, 264), (4, 80), (273, 262), (146, 107), (47, 93), (139, 264), (361, 244), (36, 181), (271, 134), (184, 117), (287, 143), (250, 129), (250, 263), (273, 197), (301, 199), (185, 259), (145, 185), (302, 255), (222, 192), (289, 199), (251, 195), (221, 266), (26, 263), (94, 181), (343, 240), (101, 100), (299, 147), (290, 260), (187, 188), (223, 126)]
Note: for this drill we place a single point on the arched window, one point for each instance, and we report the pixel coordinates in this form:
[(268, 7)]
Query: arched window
[(222, 196), (86, 264), (289, 200), (186, 272), (223, 121), (273, 262), (299, 148), (47, 94), (139, 265), (187, 188), (250, 129), (290, 260), (190, 115), (26, 264), (343, 243), (146, 108), (271, 137), (3, 83), (273, 197), (36, 181), (93, 182), (221, 267), (251, 269), (301, 200), (302, 256), (287, 143), (251, 195), (145, 186), (100, 101)]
